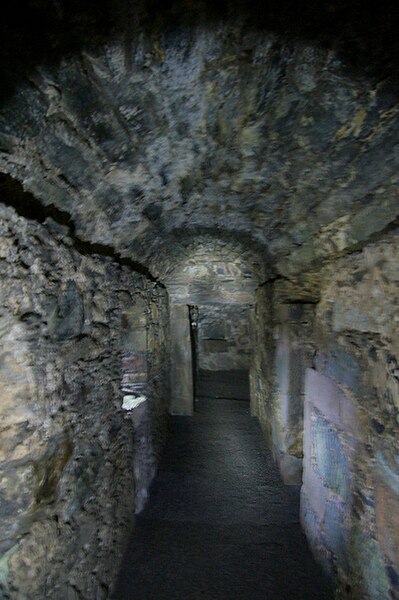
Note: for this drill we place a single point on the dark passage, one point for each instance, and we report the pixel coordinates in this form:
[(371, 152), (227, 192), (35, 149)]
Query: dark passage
[(219, 523), (223, 384)]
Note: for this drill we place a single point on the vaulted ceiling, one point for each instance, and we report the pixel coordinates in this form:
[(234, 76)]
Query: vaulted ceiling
[(271, 130)]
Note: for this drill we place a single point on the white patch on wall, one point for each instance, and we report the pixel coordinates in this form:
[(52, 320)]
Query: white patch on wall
[(130, 402)]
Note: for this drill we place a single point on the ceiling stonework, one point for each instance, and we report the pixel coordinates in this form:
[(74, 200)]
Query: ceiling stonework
[(215, 128)]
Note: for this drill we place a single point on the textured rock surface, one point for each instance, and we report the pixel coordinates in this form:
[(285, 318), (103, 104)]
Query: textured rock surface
[(359, 367), (350, 444), (173, 144), (225, 340), (194, 123), (219, 281), (69, 454)]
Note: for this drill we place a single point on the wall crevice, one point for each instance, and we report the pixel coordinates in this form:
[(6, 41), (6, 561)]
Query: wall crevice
[(26, 205)]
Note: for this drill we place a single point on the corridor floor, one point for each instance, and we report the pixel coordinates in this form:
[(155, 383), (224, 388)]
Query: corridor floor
[(219, 524)]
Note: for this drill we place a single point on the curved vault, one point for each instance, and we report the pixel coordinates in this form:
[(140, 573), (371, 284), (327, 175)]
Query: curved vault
[(211, 271), (196, 124)]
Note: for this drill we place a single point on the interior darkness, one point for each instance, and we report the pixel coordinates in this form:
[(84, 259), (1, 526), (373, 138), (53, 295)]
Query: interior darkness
[(37, 31)]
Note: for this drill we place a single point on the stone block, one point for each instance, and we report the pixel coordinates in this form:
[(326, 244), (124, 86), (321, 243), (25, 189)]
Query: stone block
[(212, 346), (342, 367), (181, 361), (328, 458), (369, 305), (350, 416), (337, 532), (327, 479), (313, 488), (211, 329), (324, 394), (290, 469), (335, 403), (368, 566), (387, 508), (69, 322), (311, 525)]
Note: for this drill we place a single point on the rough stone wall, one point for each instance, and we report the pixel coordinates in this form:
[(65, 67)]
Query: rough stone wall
[(292, 331), (220, 282), (195, 124), (328, 364), (224, 337), (276, 128), (350, 495), (67, 446), (212, 273), (262, 368), (284, 345)]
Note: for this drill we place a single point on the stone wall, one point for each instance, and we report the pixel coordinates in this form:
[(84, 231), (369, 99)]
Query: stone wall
[(221, 283), (262, 368), (283, 349), (271, 127), (224, 337), (293, 326), (350, 494), (71, 457), (217, 280), (326, 365), (194, 123)]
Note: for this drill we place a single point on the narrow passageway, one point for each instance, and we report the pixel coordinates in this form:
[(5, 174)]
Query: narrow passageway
[(219, 524)]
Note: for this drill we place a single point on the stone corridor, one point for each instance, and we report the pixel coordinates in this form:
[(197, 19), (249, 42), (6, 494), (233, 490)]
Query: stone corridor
[(219, 524), (199, 198)]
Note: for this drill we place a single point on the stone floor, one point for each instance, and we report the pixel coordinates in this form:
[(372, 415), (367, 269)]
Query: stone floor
[(219, 524)]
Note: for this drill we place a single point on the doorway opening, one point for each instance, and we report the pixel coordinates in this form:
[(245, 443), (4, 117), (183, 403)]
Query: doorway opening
[(222, 348)]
